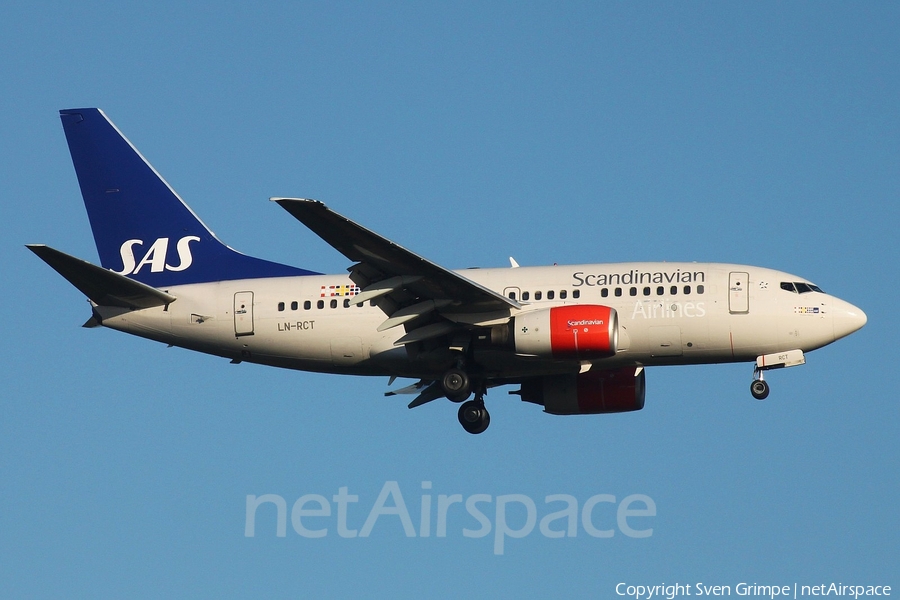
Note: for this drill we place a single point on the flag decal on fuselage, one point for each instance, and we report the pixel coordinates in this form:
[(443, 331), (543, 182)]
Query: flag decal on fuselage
[(336, 291)]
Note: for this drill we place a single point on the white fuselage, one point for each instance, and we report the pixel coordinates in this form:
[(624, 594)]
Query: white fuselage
[(669, 313)]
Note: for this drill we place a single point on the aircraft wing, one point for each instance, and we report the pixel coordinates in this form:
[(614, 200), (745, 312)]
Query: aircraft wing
[(387, 268)]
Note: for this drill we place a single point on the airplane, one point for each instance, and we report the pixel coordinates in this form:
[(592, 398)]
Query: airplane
[(575, 339)]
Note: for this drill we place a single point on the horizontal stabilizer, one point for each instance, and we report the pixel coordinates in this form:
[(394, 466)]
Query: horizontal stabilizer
[(103, 287)]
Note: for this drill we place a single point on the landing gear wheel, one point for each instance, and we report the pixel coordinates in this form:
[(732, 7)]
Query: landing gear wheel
[(456, 384), (759, 389), (474, 417)]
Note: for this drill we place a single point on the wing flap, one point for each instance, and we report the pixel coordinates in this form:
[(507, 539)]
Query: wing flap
[(103, 287), (426, 332)]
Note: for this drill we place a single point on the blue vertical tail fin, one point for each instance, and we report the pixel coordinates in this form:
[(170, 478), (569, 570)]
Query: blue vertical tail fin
[(142, 228)]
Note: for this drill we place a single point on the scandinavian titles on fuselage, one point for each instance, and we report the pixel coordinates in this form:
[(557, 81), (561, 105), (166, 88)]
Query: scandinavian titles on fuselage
[(636, 277)]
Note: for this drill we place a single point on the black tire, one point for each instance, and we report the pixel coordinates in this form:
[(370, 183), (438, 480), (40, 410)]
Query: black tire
[(456, 384), (474, 417), (759, 389)]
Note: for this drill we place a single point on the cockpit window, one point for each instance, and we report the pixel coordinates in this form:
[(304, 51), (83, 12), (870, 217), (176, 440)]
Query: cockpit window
[(798, 287)]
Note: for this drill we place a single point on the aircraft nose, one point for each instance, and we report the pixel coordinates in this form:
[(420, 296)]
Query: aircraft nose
[(847, 318)]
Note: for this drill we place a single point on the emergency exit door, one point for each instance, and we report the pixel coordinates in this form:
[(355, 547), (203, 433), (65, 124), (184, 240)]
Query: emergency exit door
[(243, 313), (738, 294)]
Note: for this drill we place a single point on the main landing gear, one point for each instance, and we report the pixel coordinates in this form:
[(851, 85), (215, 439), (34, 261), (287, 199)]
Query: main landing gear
[(473, 416), (456, 384)]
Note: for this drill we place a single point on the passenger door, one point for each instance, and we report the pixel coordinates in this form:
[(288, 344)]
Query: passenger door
[(243, 314), (738, 294)]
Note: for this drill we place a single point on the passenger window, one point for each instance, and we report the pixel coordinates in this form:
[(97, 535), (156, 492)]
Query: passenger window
[(632, 291), (563, 294), (618, 292), (346, 303), (334, 304), (537, 295), (525, 295), (604, 292), (512, 295), (646, 291), (294, 305), (320, 304), (687, 289), (660, 291), (307, 305), (576, 293), (371, 303), (700, 289), (673, 290), (550, 295), (281, 306)]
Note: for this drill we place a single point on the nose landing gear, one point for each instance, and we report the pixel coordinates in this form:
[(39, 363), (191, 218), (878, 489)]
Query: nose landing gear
[(779, 360), (759, 388)]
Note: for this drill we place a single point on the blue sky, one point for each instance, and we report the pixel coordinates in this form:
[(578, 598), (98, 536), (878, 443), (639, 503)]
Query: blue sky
[(758, 133)]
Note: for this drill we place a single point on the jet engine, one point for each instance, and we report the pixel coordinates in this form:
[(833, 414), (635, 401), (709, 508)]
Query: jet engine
[(594, 392), (585, 331)]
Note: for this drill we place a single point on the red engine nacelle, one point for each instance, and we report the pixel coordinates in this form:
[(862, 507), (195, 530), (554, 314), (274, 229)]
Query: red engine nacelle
[(582, 331), (611, 391)]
